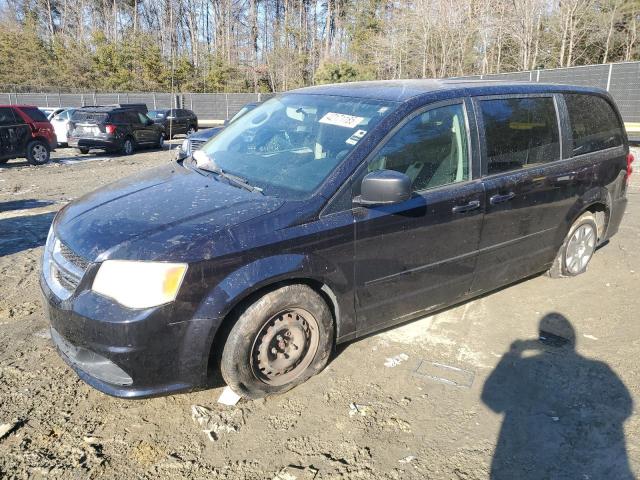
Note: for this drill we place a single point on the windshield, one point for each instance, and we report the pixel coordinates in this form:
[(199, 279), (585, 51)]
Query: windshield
[(156, 114), (288, 145)]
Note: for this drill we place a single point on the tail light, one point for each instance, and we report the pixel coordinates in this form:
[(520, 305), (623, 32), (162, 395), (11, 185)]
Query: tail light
[(111, 129), (630, 160)]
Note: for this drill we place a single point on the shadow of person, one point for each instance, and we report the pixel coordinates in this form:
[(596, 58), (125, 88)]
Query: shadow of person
[(563, 413)]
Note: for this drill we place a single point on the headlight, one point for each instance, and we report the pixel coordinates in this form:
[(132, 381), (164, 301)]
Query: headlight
[(139, 284)]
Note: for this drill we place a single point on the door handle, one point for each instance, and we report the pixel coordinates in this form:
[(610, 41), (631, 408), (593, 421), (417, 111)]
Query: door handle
[(496, 199), (472, 205)]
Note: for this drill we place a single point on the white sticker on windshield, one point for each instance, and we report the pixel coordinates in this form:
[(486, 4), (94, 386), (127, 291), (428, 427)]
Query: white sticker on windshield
[(341, 120), (355, 138)]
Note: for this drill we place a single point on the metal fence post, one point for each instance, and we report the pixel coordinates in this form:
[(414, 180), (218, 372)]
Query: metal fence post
[(609, 76), (538, 76), (154, 101), (226, 101)]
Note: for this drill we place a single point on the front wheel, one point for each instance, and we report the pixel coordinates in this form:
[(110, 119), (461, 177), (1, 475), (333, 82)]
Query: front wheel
[(577, 249), (280, 341), (191, 130), (160, 142), (37, 153), (83, 151)]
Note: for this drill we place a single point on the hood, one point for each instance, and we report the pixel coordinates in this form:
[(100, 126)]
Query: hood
[(205, 134), (162, 213)]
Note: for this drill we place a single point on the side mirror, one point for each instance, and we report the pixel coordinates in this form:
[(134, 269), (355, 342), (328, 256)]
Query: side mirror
[(384, 187)]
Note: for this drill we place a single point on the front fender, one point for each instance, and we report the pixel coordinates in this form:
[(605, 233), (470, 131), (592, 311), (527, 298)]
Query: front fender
[(261, 273)]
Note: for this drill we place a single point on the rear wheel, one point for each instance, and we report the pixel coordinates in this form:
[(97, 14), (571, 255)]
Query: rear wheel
[(127, 146), (278, 342), (160, 142), (37, 153), (577, 249), (83, 151)]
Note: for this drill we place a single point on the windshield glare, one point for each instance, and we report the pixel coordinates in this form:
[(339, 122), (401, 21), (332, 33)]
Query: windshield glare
[(288, 145)]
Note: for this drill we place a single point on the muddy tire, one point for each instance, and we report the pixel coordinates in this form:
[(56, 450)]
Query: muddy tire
[(577, 249), (37, 153), (279, 341)]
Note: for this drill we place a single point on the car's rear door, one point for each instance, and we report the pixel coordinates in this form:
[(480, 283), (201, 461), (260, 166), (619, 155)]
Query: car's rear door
[(527, 186), (420, 254), (15, 133)]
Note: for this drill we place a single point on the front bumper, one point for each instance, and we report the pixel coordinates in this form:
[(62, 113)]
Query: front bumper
[(129, 353)]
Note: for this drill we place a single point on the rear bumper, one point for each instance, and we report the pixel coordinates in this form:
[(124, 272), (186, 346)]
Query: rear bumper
[(128, 353), (101, 144)]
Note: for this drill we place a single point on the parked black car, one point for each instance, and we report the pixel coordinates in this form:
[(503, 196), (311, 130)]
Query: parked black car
[(323, 215), (195, 141), (121, 128), (175, 121), (26, 132)]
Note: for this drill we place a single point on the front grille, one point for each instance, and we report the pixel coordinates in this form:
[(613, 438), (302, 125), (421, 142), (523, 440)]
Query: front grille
[(66, 268), (66, 280), (72, 257), (197, 144)]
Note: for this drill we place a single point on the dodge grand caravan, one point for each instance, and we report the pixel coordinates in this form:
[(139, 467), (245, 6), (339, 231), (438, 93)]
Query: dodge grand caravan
[(324, 214)]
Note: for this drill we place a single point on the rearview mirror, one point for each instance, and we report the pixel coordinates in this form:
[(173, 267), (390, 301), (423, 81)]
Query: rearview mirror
[(384, 187)]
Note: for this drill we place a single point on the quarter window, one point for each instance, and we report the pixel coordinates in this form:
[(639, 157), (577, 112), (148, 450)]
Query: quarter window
[(6, 117), (520, 132), (594, 124), (431, 149)]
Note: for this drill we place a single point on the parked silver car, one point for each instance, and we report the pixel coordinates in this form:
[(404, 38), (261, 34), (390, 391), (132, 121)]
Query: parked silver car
[(61, 125)]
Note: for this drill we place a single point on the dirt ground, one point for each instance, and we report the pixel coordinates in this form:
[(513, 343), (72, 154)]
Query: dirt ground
[(445, 397)]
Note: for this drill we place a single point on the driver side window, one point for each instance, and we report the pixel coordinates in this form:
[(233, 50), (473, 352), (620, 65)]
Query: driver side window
[(431, 149)]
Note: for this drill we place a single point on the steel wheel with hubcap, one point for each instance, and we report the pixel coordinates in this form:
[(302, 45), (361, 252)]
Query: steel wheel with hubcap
[(577, 249), (277, 342), (580, 248), (37, 153)]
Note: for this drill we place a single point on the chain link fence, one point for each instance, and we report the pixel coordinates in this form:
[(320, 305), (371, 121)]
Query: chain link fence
[(622, 80), (208, 106)]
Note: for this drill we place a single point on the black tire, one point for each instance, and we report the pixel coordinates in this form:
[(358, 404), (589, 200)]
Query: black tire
[(4, 160), (160, 142), (38, 152), (191, 130), (83, 151), (261, 327), (565, 264), (128, 146)]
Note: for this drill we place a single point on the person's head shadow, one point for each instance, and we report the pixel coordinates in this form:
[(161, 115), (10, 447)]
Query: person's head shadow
[(563, 413)]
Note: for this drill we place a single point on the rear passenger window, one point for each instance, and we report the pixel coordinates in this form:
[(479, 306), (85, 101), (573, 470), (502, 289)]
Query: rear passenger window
[(594, 124), (520, 132), (431, 149)]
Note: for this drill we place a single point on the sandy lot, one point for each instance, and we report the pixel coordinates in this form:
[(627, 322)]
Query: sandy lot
[(444, 397)]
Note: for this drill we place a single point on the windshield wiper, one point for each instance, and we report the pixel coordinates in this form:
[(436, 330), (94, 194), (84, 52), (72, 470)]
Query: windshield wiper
[(212, 167)]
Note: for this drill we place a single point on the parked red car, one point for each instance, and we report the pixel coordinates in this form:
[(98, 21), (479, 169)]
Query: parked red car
[(25, 132)]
